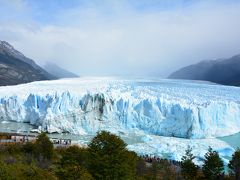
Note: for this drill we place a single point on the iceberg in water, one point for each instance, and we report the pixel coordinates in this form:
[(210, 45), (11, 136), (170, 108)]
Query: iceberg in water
[(172, 108)]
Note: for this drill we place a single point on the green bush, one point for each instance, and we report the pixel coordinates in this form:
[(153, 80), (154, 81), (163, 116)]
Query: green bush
[(23, 172), (29, 148), (14, 148), (5, 173), (73, 172)]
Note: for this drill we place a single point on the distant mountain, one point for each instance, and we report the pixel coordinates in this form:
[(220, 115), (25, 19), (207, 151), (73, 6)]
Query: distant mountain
[(15, 68), (223, 71), (58, 71)]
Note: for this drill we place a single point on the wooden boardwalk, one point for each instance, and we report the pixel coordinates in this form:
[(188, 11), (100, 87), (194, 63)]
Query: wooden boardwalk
[(15, 138)]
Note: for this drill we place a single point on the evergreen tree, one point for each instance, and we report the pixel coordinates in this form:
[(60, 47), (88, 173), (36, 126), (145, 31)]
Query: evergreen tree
[(44, 147), (188, 168), (234, 164), (74, 156), (73, 164), (213, 165), (29, 148), (109, 158), (141, 168)]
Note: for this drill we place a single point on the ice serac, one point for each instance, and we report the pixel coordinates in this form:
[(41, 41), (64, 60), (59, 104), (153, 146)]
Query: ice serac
[(158, 107)]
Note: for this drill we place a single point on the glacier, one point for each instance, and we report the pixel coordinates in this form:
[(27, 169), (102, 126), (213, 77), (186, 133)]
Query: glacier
[(175, 148), (172, 108), (168, 114)]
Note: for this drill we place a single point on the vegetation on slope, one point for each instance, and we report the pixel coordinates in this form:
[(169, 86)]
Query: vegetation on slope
[(105, 158)]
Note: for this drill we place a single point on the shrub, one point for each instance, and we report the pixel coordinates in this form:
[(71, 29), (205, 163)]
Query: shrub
[(4, 172), (73, 172), (28, 148)]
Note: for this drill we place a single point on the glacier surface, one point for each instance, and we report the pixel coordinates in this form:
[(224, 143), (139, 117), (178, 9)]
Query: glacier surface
[(155, 116), (172, 108), (175, 148)]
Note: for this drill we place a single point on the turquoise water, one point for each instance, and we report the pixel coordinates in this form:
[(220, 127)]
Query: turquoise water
[(233, 140), (13, 127), (25, 128)]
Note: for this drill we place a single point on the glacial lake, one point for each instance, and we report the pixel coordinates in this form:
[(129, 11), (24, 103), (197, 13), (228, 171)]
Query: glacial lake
[(232, 140), (25, 128)]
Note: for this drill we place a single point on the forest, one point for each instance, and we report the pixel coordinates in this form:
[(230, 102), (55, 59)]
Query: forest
[(105, 157)]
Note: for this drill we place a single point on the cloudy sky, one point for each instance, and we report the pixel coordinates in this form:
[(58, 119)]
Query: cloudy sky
[(122, 37)]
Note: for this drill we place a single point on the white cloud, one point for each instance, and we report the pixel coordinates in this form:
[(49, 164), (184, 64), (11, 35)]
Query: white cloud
[(93, 41)]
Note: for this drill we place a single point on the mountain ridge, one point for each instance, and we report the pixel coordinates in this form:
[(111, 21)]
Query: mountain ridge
[(58, 71), (15, 68), (221, 71)]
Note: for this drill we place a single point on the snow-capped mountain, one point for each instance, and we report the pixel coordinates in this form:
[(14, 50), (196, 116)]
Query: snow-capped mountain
[(7, 49), (15, 68)]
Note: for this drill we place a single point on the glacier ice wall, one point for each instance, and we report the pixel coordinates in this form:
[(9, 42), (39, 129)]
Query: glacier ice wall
[(159, 107), (175, 148)]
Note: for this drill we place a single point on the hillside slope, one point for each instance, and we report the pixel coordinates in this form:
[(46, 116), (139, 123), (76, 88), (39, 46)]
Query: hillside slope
[(58, 71), (15, 68), (224, 71)]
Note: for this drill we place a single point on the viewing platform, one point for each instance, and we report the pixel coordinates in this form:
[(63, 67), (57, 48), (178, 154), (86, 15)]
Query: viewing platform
[(15, 138)]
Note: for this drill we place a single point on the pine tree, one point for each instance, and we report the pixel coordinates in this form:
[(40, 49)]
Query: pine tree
[(74, 155), (188, 168), (44, 147), (234, 164), (109, 158), (213, 165)]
